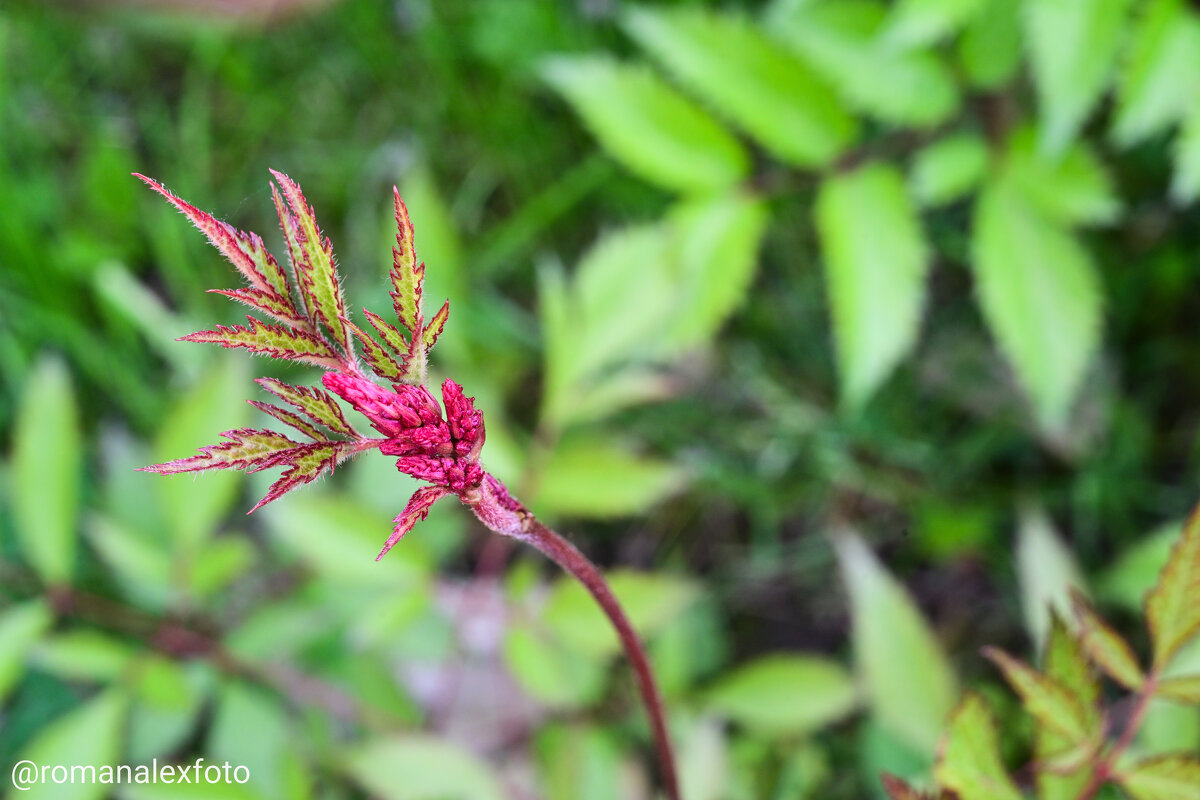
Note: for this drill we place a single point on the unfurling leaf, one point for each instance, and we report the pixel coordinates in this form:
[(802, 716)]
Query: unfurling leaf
[(416, 510), (1105, 646), (1172, 777), (434, 329), (317, 404), (269, 303), (312, 260), (407, 273), (1051, 703), (378, 359), (969, 763), (245, 449), (289, 418), (304, 464), (1173, 605), (272, 340)]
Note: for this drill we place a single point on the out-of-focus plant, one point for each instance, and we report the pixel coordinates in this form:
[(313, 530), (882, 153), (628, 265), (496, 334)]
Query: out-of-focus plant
[(842, 97), (1084, 739), (440, 446)]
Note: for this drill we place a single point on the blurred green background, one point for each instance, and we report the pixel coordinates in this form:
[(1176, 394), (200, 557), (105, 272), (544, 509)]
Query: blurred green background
[(845, 334)]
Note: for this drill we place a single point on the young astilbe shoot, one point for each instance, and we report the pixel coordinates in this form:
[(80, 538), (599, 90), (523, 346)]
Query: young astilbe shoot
[(440, 444)]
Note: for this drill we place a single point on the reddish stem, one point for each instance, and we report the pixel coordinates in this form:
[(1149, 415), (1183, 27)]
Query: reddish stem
[(1104, 770)]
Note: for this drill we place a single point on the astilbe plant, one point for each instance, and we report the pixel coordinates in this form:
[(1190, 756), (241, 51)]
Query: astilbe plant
[(437, 444)]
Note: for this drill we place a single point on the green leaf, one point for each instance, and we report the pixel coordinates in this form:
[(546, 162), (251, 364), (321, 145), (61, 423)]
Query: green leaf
[(915, 23), (1065, 662), (47, 456), (1054, 705), (88, 736), (908, 681), (20, 628), (579, 763), (599, 478), (1157, 85), (167, 707), (704, 762), (142, 564), (192, 508), (1173, 605), (970, 763), (781, 695), (84, 655), (652, 601), (1047, 573), (1072, 46), (1183, 690), (1071, 188), (842, 41), (948, 169), (1040, 296), (1185, 183), (648, 126), (1135, 570), (252, 727), (875, 263), (1174, 777), (420, 768), (1107, 647), (759, 85), (221, 562), (990, 47), (550, 673)]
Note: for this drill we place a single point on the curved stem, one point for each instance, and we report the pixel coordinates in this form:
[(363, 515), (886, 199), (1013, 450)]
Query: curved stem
[(567, 556)]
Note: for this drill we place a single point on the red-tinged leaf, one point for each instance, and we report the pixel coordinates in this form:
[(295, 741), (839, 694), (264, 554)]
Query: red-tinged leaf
[(273, 341), (1173, 605), (434, 329), (1171, 777), (1065, 662), (304, 464), (1106, 647), (244, 250), (246, 448), (416, 510), (407, 275), (267, 302), (969, 759), (391, 337), (1055, 706), (897, 789), (317, 404), (288, 418), (1185, 689), (379, 360), (316, 271)]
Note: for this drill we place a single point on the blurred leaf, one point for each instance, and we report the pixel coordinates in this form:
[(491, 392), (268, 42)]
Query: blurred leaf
[(1182, 690), (47, 456), (550, 673), (1108, 649), (20, 628), (1168, 728), (420, 768), (143, 566), (1040, 296), (1047, 572), (948, 169), (970, 760), (647, 126), (880, 751), (167, 706), (1174, 777), (784, 694), (594, 477), (1157, 85), (915, 23), (1173, 605), (221, 561), (88, 736), (841, 39), (990, 47), (84, 655), (906, 676), (1072, 188), (192, 507), (1135, 570), (1072, 46), (371, 678), (252, 727), (763, 88), (193, 791), (806, 768), (1053, 704), (1185, 183), (578, 763), (876, 260), (703, 762), (652, 601), (1064, 661)]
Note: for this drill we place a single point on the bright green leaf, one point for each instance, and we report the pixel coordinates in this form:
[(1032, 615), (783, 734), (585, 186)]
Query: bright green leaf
[(251, 727), (1185, 183), (1052, 703), (1135, 570), (1072, 46), (1173, 605), (1040, 296), (47, 455), (551, 673), (875, 265), (1047, 572), (771, 94), (20, 628), (970, 759), (990, 47), (1107, 648), (88, 736), (1065, 662), (784, 694), (907, 679), (420, 768), (948, 169), (648, 126), (598, 478), (579, 763), (1072, 188), (1174, 777), (84, 655), (1158, 79), (914, 23)]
